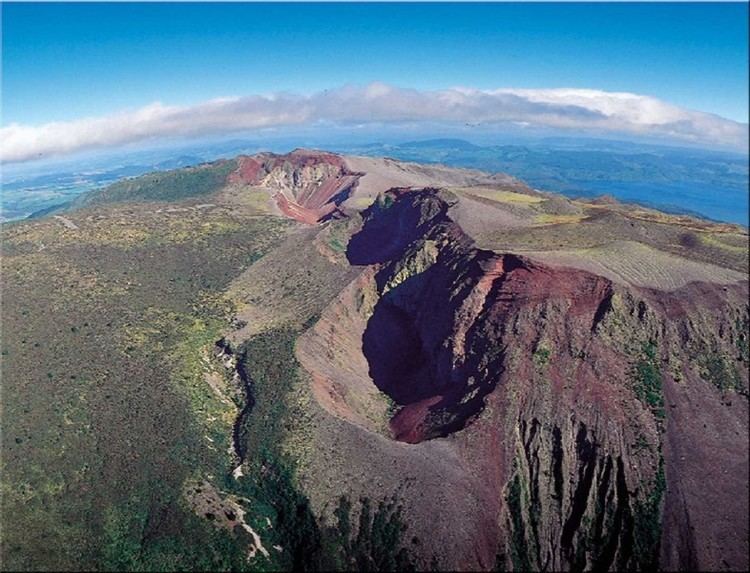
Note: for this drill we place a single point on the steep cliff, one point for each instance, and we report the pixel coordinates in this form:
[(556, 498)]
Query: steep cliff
[(563, 391)]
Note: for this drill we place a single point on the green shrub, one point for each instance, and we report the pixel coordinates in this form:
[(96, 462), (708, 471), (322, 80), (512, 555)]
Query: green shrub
[(647, 381), (647, 524)]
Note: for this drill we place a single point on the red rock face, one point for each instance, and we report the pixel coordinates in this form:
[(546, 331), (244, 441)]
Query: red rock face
[(248, 172), (436, 341), (443, 366), (307, 186), (586, 410)]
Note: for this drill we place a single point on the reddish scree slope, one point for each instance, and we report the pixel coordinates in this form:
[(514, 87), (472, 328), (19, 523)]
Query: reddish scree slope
[(307, 185)]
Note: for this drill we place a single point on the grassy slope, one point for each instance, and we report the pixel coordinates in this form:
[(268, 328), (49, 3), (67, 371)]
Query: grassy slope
[(104, 414), (100, 440), (164, 186)]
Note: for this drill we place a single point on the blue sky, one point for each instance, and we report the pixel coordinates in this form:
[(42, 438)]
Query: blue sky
[(66, 61)]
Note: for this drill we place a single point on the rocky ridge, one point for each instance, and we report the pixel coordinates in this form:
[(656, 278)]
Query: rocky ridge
[(560, 378)]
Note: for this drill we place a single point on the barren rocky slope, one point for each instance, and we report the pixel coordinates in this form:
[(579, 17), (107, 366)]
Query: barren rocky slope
[(549, 384), (436, 368)]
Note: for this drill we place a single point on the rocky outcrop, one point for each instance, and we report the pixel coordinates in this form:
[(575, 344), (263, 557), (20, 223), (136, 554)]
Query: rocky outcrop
[(564, 392), (307, 186)]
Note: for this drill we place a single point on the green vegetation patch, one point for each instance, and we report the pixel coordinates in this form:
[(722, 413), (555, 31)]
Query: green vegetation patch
[(646, 511), (164, 186), (741, 341), (519, 548), (142, 535), (105, 411), (720, 371), (337, 235), (382, 202), (647, 523), (541, 356), (647, 381)]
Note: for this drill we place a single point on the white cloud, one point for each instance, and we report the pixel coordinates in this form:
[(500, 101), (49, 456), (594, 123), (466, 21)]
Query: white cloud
[(590, 110)]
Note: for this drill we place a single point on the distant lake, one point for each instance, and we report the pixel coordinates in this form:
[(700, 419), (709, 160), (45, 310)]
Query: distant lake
[(715, 202), (692, 181)]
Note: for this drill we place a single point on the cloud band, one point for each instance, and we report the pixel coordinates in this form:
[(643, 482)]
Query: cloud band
[(575, 109)]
